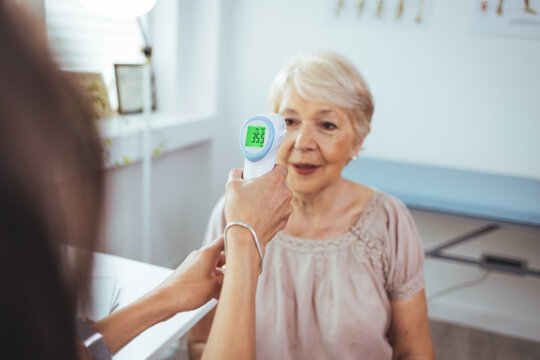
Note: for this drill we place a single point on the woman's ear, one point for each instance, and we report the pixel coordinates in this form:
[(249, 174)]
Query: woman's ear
[(356, 149)]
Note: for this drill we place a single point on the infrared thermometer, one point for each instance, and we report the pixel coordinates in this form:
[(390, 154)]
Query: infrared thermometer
[(260, 138)]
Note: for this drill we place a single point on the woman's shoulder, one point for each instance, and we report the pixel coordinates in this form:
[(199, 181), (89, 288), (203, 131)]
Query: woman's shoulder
[(381, 210), (391, 203), (360, 191)]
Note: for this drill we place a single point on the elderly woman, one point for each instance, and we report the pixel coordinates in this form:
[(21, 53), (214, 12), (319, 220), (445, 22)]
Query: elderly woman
[(344, 279)]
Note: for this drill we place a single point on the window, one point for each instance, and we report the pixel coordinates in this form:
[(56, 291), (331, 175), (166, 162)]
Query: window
[(88, 42)]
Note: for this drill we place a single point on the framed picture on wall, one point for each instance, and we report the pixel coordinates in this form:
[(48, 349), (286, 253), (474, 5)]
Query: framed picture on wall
[(129, 87)]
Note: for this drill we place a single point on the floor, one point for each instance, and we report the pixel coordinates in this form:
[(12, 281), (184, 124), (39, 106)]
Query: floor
[(454, 342)]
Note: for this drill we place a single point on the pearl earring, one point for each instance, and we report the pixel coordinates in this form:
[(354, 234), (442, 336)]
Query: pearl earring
[(354, 157)]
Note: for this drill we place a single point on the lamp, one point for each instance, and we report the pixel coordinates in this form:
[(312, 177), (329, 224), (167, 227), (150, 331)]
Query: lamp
[(129, 9)]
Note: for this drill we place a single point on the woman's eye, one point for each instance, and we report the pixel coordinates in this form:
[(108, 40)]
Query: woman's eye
[(289, 122), (328, 125)]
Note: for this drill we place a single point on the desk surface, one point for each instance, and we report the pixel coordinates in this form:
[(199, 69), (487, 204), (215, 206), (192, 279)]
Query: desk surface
[(135, 279), (497, 198)]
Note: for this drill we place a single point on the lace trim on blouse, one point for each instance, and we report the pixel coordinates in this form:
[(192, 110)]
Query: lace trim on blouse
[(410, 288), (355, 233), (365, 246)]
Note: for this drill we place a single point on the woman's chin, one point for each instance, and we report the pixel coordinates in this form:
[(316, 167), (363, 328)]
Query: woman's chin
[(305, 187)]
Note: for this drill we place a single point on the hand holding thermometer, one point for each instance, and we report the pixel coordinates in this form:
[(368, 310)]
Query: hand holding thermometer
[(260, 138)]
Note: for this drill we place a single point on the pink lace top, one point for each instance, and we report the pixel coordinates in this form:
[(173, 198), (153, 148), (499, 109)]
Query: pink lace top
[(330, 299)]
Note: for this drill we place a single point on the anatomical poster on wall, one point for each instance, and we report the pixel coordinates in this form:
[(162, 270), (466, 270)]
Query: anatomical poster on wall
[(516, 18), (384, 13)]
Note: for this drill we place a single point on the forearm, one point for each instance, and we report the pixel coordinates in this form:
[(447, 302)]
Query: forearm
[(198, 336), (236, 308), (125, 324)]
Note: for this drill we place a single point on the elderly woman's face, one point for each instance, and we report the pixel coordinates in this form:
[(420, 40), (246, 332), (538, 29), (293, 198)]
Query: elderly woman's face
[(318, 144)]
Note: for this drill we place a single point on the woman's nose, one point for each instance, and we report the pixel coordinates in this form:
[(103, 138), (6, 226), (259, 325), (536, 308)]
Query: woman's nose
[(304, 138)]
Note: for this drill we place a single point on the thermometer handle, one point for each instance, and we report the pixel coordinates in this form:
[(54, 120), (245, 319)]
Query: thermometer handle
[(253, 170)]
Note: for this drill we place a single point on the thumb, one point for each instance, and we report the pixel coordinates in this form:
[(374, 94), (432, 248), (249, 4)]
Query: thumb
[(235, 174), (281, 170), (217, 245)]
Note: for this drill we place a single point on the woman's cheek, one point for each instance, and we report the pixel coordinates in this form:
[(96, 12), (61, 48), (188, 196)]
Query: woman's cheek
[(281, 157), (285, 149)]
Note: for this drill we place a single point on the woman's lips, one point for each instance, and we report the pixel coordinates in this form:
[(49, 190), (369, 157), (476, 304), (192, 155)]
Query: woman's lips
[(305, 169)]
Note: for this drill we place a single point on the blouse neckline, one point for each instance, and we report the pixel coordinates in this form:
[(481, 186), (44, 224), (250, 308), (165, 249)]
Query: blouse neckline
[(340, 241)]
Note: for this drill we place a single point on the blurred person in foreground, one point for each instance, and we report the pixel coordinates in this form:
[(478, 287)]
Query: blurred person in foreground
[(51, 192), (344, 279)]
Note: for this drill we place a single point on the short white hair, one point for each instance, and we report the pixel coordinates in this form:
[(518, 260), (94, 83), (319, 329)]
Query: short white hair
[(330, 79)]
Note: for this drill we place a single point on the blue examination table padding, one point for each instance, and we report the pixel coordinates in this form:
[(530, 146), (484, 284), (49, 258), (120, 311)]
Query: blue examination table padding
[(495, 198)]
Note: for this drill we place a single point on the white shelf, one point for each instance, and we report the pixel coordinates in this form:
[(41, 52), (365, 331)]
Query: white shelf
[(122, 135)]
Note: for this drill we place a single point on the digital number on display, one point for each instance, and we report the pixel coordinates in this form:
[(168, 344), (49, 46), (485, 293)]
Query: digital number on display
[(255, 136)]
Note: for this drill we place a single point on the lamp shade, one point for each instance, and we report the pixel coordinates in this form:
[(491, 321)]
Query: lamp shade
[(119, 8)]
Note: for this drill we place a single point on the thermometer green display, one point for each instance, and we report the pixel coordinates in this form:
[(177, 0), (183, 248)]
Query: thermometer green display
[(260, 138), (255, 136)]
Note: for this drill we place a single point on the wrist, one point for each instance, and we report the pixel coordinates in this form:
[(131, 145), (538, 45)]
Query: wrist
[(241, 249), (161, 303)]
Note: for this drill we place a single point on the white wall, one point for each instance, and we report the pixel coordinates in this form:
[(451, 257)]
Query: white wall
[(443, 95), (185, 36), (179, 212), (225, 151)]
